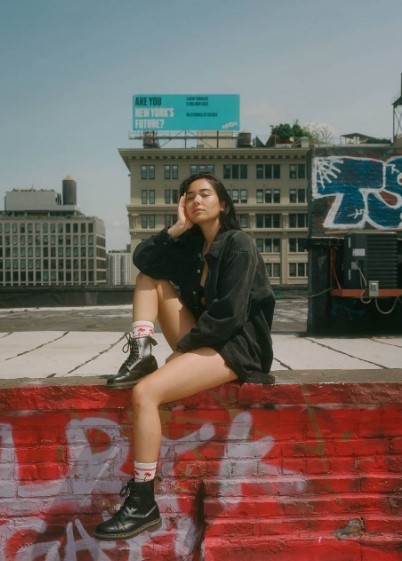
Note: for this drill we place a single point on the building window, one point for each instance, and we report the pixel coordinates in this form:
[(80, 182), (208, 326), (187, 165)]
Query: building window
[(298, 220), (268, 245), (171, 196), (268, 171), (268, 196), (235, 171), (297, 245), (268, 220), (239, 195), (170, 219), (273, 270), (171, 171), (297, 195), (147, 221), (243, 196), (297, 171), (234, 193), (276, 196), (202, 168), (147, 172), (298, 270), (148, 196), (243, 220)]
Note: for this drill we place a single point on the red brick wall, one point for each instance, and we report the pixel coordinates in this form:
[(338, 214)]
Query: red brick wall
[(298, 472)]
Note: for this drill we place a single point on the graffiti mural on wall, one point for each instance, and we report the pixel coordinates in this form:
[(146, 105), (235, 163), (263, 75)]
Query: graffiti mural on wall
[(93, 472), (285, 464), (366, 192)]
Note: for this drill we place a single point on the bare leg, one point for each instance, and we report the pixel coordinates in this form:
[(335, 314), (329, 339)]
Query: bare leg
[(182, 377), (153, 299), (157, 299), (185, 375)]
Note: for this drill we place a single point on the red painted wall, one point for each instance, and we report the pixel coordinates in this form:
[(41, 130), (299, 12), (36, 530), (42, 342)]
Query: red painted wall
[(293, 472)]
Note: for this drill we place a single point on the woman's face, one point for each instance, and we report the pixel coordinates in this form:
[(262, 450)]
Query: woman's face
[(202, 202)]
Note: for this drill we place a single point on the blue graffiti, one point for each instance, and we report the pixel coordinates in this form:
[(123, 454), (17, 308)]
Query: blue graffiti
[(366, 192), (348, 312)]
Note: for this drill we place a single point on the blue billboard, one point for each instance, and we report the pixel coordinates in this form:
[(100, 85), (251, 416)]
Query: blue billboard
[(192, 112)]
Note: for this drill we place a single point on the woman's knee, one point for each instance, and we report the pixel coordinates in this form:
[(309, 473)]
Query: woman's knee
[(142, 394)]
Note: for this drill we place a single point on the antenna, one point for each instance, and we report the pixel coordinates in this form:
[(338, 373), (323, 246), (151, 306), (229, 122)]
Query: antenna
[(397, 117)]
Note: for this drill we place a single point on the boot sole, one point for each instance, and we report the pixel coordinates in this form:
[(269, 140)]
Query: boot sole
[(125, 385), (149, 527)]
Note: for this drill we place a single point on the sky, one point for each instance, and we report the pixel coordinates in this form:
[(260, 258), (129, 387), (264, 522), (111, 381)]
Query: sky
[(69, 69)]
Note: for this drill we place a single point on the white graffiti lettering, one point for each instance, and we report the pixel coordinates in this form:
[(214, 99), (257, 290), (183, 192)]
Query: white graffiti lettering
[(96, 472)]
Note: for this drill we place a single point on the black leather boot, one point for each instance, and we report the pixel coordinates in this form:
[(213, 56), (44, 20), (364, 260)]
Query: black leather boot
[(138, 513), (139, 363)]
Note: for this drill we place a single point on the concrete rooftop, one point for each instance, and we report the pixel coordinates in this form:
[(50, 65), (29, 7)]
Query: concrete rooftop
[(46, 343)]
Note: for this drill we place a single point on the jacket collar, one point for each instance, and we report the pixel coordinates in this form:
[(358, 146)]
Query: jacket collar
[(218, 242)]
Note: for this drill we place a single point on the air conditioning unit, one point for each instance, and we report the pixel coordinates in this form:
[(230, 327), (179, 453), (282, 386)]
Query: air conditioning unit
[(370, 260)]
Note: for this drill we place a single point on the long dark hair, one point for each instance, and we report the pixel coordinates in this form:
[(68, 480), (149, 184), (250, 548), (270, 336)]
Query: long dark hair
[(228, 218)]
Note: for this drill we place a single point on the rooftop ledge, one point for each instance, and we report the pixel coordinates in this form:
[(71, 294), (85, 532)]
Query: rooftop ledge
[(282, 377), (294, 387)]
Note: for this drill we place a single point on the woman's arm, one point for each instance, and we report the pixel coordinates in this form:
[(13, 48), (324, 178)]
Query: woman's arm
[(160, 255)]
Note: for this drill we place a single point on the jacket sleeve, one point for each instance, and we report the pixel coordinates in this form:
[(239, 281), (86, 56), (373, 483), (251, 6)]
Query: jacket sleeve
[(228, 312), (160, 256)]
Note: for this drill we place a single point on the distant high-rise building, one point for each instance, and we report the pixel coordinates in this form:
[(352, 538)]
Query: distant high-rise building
[(46, 240), (119, 268)]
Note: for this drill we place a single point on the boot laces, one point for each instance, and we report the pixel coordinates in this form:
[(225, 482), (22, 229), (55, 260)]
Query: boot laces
[(128, 507), (130, 345), (126, 488)]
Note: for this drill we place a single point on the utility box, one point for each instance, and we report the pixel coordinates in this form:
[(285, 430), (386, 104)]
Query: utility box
[(370, 261)]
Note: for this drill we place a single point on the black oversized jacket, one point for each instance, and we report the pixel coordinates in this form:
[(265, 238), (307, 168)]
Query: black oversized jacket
[(239, 301)]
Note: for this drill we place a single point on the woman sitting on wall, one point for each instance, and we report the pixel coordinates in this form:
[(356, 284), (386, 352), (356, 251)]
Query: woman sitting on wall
[(205, 282)]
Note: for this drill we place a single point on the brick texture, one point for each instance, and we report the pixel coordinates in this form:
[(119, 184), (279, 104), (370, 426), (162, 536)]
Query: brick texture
[(306, 472)]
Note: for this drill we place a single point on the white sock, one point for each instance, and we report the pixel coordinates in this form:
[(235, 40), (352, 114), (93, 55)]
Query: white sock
[(144, 472), (142, 329)]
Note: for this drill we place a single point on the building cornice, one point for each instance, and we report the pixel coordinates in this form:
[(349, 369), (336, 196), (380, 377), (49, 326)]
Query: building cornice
[(194, 154)]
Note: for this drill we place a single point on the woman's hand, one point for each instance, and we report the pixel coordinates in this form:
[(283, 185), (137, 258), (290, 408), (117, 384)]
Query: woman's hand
[(183, 222)]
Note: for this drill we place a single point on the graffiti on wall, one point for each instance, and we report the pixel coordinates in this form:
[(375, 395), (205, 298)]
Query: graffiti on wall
[(365, 192), (283, 463), (96, 471)]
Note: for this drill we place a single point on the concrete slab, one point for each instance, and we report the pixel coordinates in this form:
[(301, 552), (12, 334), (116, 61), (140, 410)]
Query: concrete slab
[(299, 353), (54, 353), (392, 341), (87, 341), (13, 345), (375, 352), (63, 354)]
